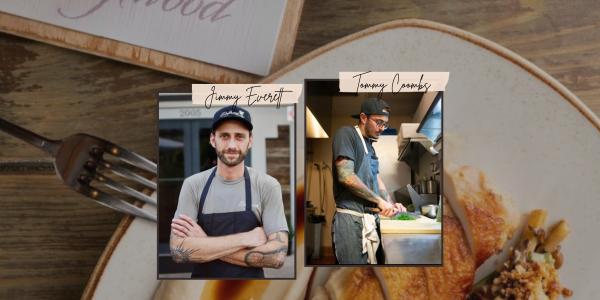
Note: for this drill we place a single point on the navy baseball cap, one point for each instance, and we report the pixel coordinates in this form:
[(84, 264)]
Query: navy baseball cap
[(374, 106), (232, 112)]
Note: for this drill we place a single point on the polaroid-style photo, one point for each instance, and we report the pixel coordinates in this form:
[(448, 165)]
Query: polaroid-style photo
[(373, 177), (225, 190)]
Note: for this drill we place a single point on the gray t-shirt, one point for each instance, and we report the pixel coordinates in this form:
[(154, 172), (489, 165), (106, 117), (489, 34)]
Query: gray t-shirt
[(347, 143), (229, 196)]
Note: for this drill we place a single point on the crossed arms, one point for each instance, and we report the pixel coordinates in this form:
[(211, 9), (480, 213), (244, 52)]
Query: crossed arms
[(189, 243)]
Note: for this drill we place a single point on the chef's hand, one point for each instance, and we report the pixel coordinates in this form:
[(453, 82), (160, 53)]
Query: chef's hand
[(387, 209), (399, 207), (184, 226), (255, 237)]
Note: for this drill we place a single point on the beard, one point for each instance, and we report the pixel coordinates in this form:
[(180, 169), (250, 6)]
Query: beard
[(372, 134), (241, 155)]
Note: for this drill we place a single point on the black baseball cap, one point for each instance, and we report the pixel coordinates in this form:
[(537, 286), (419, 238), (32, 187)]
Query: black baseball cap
[(232, 112), (374, 106)]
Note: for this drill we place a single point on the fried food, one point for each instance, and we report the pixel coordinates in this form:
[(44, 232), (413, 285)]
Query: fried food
[(483, 223), (531, 272), (455, 278), (489, 220), (403, 283), (353, 283)]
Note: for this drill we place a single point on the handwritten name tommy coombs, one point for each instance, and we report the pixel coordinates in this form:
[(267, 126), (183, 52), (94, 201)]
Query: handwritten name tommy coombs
[(251, 96), (396, 85)]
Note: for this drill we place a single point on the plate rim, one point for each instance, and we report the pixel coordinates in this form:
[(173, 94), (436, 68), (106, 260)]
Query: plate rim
[(472, 38), (111, 246), (484, 43)]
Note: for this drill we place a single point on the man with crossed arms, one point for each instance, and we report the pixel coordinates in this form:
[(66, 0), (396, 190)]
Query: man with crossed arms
[(230, 220)]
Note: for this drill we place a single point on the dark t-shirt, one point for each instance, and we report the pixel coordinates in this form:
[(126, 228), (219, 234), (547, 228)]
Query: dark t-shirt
[(347, 143)]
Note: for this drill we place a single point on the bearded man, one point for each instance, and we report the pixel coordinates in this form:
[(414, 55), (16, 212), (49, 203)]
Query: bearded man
[(359, 191), (230, 220)]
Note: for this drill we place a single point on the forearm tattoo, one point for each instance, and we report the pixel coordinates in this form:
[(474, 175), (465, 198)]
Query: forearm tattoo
[(181, 254), (346, 176), (269, 259)]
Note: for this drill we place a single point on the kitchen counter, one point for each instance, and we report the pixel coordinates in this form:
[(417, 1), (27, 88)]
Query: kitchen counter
[(412, 248), (412, 242)]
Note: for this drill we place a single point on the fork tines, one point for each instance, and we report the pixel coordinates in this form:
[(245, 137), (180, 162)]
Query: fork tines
[(119, 187), (114, 202), (125, 173), (115, 161), (131, 158)]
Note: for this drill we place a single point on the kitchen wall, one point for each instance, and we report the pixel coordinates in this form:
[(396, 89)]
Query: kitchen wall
[(425, 166)]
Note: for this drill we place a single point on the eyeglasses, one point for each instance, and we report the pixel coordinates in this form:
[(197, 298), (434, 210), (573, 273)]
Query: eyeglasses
[(380, 123)]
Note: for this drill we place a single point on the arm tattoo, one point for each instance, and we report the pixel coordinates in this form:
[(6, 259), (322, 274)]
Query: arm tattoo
[(346, 176), (181, 254), (268, 259)]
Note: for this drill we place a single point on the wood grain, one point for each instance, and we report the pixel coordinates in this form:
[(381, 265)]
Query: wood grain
[(52, 237), (287, 35), (561, 38), (57, 92)]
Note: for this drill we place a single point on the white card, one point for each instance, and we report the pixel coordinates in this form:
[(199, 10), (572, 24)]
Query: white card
[(239, 34)]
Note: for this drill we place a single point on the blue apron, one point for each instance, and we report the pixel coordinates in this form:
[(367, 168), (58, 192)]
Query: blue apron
[(374, 162), (220, 224), (346, 230)]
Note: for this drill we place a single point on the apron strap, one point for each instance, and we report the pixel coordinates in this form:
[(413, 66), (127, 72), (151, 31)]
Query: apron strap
[(362, 139), (370, 159), (248, 190), (205, 190)]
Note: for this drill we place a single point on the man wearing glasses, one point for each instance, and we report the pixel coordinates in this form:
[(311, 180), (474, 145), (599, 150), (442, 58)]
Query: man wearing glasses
[(359, 191)]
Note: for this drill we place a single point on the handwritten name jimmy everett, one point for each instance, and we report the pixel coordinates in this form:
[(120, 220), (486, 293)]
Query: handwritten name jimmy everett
[(251, 96)]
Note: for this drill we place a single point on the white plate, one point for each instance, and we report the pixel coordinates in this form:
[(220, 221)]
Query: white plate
[(127, 268), (536, 142)]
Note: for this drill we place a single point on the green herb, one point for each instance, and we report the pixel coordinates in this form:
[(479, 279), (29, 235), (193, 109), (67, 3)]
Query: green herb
[(404, 217)]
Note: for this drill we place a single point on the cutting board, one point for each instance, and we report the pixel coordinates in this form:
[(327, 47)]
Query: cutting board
[(422, 225)]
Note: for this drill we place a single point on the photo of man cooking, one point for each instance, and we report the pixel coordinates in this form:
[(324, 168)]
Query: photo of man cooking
[(364, 198), (230, 220), (359, 190)]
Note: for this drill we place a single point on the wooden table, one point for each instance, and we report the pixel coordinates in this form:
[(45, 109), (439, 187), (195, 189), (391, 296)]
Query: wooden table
[(51, 237)]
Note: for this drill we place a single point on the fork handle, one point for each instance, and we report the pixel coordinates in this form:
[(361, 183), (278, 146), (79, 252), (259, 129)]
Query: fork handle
[(49, 146)]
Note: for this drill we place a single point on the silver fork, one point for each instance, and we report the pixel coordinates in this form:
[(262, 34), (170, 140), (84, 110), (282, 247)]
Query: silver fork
[(80, 160)]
